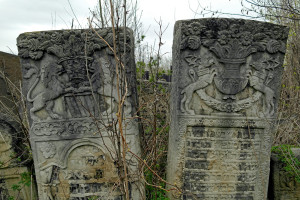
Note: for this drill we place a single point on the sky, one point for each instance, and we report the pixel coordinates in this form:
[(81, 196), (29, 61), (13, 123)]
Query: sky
[(19, 16)]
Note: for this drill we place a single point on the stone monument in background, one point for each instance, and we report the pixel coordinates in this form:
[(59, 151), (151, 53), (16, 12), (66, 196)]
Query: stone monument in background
[(226, 87), (15, 174), (282, 184), (15, 161), (71, 86)]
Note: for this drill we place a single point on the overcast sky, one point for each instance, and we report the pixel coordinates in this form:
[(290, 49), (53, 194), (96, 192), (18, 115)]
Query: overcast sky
[(19, 16)]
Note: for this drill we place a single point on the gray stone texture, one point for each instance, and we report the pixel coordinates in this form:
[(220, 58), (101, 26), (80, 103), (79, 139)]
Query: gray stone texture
[(70, 84), (10, 65), (283, 186), (226, 85), (14, 159), (12, 165)]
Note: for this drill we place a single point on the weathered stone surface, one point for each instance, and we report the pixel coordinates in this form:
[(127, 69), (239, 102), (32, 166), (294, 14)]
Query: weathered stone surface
[(10, 78), (12, 164), (226, 85), (70, 80), (282, 184), (10, 177), (10, 64)]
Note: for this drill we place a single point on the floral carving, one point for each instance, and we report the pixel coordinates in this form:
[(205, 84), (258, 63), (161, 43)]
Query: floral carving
[(192, 31), (220, 31), (65, 43), (194, 28), (246, 38), (48, 149), (224, 37), (235, 30), (64, 128)]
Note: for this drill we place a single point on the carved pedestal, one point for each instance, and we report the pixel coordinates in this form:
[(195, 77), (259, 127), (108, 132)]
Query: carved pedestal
[(226, 86), (70, 83)]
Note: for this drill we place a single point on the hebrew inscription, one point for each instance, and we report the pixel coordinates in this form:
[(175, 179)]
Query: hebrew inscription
[(219, 160), (70, 82), (227, 80)]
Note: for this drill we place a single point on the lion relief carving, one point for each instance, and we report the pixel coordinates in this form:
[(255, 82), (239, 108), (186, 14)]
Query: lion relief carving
[(52, 78), (206, 73)]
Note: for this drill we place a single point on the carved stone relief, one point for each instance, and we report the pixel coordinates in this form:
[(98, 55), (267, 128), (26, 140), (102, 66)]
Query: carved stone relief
[(48, 149), (88, 172), (231, 58), (70, 84), (62, 82), (226, 71)]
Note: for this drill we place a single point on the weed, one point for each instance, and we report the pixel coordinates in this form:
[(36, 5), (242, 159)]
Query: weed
[(286, 155)]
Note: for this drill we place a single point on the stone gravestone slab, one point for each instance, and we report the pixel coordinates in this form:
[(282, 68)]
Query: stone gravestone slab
[(15, 162), (13, 170), (70, 81), (282, 184), (226, 86)]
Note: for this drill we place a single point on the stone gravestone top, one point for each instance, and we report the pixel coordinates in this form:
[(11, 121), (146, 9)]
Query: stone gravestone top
[(71, 84), (226, 86)]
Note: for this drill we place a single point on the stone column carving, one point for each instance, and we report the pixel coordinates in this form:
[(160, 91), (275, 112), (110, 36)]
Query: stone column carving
[(70, 84), (226, 86)]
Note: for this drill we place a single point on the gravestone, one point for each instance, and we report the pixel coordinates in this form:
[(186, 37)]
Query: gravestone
[(226, 86), (15, 162), (71, 84), (10, 66), (15, 174), (282, 184)]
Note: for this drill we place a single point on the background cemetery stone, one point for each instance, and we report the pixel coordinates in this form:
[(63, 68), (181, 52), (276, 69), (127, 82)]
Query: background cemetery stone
[(70, 81), (13, 169), (10, 66), (226, 86), (282, 184), (13, 162)]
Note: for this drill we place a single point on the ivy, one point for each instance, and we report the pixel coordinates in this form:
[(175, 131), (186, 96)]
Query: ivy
[(25, 181)]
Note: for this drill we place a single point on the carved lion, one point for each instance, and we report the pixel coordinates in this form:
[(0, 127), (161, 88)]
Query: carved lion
[(269, 94), (49, 77), (203, 81)]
